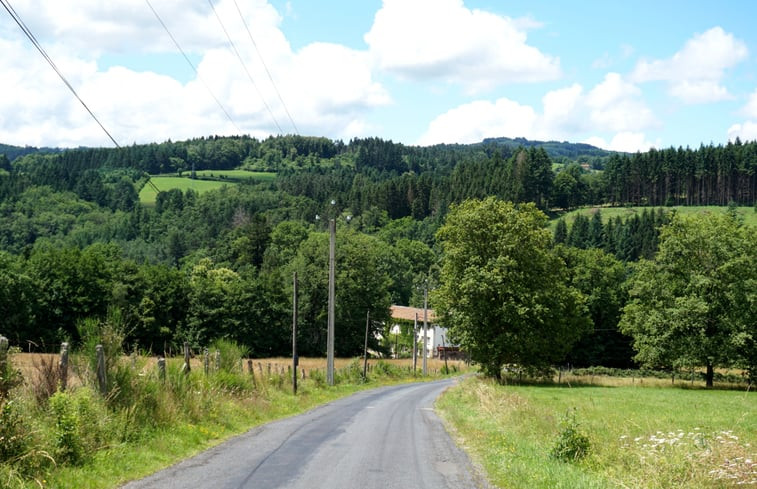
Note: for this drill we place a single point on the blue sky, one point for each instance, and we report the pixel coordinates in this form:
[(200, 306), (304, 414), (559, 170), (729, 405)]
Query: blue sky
[(620, 75)]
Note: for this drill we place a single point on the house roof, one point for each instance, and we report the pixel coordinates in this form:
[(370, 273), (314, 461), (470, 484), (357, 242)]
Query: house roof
[(408, 313)]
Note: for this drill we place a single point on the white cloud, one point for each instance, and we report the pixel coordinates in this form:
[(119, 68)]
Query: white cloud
[(327, 88), (746, 131), (475, 121), (444, 40), (614, 105), (695, 73), (628, 142)]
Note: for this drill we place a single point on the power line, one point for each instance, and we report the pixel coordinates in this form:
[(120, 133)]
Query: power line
[(9, 8), (176, 43), (262, 61), (239, 57)]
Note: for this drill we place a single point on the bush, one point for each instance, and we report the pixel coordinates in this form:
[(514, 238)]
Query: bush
[(14, 434), (68, 444), (231, 354), (571, 444)]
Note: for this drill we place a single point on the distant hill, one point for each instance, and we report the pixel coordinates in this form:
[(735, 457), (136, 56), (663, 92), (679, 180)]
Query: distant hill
[(555, 149), (13, 152)]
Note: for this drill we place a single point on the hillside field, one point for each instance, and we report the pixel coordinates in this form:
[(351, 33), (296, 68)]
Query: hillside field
[(747, 213), (209, 180)]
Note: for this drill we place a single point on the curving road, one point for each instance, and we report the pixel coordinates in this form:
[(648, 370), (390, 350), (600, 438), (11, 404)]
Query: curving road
[(383, 438)]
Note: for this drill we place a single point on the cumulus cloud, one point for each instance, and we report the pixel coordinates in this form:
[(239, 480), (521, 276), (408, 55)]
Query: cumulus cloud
[(694, 74), (745, 131), (327, 88), (444, 40), (628, 142), (614, 106)]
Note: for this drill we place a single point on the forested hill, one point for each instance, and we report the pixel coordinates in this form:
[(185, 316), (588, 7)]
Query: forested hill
[(555, 149), (409, 180), (13, 152)]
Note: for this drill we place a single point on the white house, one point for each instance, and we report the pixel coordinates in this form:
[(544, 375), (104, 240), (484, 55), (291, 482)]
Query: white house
[(436, 336)]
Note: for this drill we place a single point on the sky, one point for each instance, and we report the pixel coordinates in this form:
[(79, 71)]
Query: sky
[(624, 76)]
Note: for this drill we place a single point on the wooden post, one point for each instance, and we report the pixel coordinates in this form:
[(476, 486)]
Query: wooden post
[(268, 365), (218, 360), (260, 369), (162, 368), (63, 366), (365, 346), (295, 357), (206, 360), (415, 344), (303, 374), (186, 367), (101, 374), (4, 364)]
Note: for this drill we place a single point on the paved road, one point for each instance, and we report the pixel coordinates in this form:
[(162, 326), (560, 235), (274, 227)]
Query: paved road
[(386, 438)]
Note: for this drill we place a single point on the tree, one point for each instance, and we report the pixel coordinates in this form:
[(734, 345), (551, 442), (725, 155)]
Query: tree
[(695, 304), (503, 292), (600, 277)]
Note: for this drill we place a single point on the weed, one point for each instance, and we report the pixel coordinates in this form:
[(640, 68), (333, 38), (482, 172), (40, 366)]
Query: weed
[(571, 444)]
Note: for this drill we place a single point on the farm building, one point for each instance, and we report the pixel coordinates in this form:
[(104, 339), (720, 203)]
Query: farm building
[(437, 343)]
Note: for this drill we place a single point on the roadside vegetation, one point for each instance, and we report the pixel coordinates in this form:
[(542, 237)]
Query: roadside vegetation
[(78, 438), (601, 432)]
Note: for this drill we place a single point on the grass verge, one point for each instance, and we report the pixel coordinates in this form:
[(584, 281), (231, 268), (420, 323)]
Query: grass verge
[(639, 437), (80, 439)]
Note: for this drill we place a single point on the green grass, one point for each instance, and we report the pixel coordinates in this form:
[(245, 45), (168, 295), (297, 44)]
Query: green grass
[(148, 194), (78, 439), (237, 175), (215, 180), (641, 437), (747, 213)]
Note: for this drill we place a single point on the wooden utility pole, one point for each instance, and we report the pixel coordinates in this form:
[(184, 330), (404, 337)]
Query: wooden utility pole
[(415, 344), (295, 357), (425, 329), (330, 330), (365, 346)]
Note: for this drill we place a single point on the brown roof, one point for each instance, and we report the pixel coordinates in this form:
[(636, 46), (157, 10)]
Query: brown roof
[(408, 313)]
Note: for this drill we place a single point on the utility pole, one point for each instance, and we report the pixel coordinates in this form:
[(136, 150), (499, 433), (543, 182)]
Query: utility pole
[(330, 331), (415, 345), (425, 329), (295, 357), (365, 347)]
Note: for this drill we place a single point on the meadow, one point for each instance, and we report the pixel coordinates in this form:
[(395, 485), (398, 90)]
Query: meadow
[(638, 435), (747, 213), (207, 180)]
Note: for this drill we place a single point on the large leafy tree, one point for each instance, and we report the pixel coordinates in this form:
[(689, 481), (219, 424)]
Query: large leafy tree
[(504, 294), (695, 303)]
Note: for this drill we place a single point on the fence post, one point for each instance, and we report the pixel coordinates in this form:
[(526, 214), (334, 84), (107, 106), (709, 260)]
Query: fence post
[(101, 375), (63, 366), (218, 360), (162, 368), (3, 355), (186, 367)]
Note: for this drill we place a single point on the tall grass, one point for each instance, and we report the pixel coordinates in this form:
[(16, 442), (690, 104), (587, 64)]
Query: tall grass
[(78, 438), (639, 437)]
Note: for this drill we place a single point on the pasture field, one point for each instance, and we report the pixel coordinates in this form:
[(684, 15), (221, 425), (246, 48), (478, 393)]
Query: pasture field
[(237, 175), (747, 213), (148, 194), (641, 436)]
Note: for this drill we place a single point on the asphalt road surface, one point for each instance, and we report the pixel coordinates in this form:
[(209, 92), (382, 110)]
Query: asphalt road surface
[(386, 438)]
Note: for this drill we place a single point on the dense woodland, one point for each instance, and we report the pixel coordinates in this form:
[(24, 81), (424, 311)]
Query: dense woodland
[(75, 242)]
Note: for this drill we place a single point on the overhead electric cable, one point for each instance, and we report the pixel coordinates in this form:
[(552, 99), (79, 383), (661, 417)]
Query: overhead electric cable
[(239, 57), (262, 61), (176, 43), (9, 8)]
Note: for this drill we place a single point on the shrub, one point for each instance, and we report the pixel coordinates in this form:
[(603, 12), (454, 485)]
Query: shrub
[(68, 444), (571, 444), (231, 354), (13, 432)]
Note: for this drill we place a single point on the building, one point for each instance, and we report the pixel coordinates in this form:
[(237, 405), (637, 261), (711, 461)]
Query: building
[(436, 337)]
